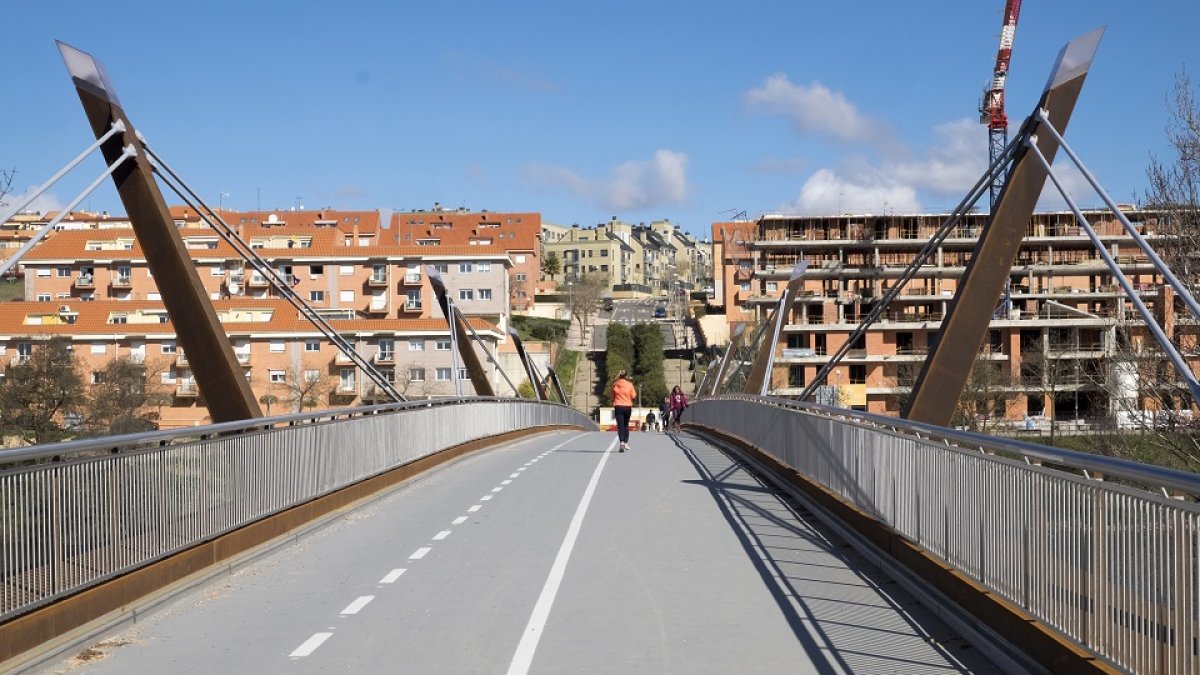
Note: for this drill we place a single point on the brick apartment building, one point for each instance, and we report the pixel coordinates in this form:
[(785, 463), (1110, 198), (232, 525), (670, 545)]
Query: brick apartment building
[(1062, 319)]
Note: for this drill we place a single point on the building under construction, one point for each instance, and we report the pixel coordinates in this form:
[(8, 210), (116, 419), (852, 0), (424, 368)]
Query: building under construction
[(1064, 342)]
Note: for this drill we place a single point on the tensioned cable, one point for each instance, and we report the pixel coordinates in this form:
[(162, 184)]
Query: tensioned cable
[(1158, 262), (129, 151), (230, 237), (943, 231), (486, 351), (1151, 324), (116, 128)]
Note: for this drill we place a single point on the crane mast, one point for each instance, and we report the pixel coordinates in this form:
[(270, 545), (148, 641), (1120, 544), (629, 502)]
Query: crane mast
[(991, 110)]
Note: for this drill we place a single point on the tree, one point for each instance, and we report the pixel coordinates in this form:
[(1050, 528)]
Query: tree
[(551, 265), (6, 179), (307, 384), (984, 397), (120, 402), (618, 355), (584, 300), (648, 363), (1175, 186), (39, 391)]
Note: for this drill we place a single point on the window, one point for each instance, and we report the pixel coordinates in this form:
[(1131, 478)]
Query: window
[(316, 296), (312, 345), (168, 347), (312, 375), (387, 349), (216, 271), (416, 374), (443, 374), (43, 297), (520, 259), (772, 286), (444, 268), (604, 268), (485, 294), (346, 270), (466, 294), (118, 318), (858, 374), (45, 272), (416, 345), (276, 376), (604, 253), (154, 296), (346, 379), (442, 344), (463, 374), (465, 267), (346, 296), (167, 377), (316, 270), (519, 276), (276, 346), (483, 267), (99, 348), (63, 271)]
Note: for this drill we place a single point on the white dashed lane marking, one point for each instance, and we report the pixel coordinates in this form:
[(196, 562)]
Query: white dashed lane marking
[(358, 604), (420, 553), (459, 520), (392, 576), (310, 645), (441, 535), (473, 509)]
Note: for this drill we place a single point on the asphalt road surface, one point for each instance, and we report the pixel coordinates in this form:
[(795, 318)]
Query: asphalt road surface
[(549, 555)]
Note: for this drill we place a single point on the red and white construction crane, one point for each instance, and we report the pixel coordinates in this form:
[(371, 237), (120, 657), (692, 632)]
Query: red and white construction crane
[(991, 109)]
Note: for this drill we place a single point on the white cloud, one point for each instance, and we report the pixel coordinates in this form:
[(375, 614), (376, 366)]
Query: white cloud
[(953, 165), (863, 191), (633, 186), (1075, 184), (813, 109), (44, 203)]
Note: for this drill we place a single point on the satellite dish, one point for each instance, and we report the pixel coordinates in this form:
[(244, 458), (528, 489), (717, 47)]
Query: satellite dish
[(233, 288)]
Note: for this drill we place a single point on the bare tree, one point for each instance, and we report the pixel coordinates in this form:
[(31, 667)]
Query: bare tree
[(122, 399), (1175, 185), (6, 180), (985, 396), (307, 384), (584, 299)]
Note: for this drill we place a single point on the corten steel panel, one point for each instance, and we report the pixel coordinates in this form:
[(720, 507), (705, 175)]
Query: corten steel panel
[(734, 342), (759, 382), (220, 377), (945, 372), (539, 387), (462, 336)]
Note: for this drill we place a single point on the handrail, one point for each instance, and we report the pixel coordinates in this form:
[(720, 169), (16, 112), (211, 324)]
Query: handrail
[(143, 439), (1126, 469)]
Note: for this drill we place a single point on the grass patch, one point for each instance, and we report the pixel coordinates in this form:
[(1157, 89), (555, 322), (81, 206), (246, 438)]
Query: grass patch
[(541, 328), (568, 361), (11, 290), (1160, 449)]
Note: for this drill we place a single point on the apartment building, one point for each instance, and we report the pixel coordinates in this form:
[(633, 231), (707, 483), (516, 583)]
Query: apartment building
[(640, 258), (371, 281), (282, 353), (1062, 317)]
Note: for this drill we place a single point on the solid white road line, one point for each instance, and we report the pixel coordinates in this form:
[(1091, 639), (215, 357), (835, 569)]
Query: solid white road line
[(420, 553), (310, 645), (459, 520), (441, 535), (473, 509), (392, 576), (523, 658), (358, 604)]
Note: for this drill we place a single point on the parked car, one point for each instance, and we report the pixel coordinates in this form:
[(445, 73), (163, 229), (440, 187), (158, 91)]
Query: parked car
[(660, 312)]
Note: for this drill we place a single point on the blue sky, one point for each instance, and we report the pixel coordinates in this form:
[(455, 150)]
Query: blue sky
[(640, 110)]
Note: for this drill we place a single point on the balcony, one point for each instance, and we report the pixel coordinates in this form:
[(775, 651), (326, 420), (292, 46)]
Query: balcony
[(343, 359), (346, 388), (374, 392), (412, 278), (412, 305), (242, 357), (385, 357), (187, 390), (20, 359), (181, 360), (257, 281), (379, 306), (377, 281), (121, 282), (85, 281)]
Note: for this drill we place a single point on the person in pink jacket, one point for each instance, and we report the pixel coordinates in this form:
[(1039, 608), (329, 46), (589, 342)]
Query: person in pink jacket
[(678, 403)]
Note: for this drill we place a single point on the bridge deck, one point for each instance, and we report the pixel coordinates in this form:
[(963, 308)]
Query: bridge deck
[(678, 561)]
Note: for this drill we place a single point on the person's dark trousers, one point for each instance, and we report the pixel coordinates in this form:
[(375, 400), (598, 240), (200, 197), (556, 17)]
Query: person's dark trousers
[(623, 413)]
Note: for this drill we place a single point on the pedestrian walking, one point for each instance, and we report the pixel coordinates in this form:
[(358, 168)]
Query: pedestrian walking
[(678, 402), (650, 420), (623, 394), (664, 414)]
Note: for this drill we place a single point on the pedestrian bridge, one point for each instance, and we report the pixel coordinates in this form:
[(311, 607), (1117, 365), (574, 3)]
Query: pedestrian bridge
[(502, 535)]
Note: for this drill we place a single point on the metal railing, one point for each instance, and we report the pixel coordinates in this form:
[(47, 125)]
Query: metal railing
[(1113, 567), (74, 514)]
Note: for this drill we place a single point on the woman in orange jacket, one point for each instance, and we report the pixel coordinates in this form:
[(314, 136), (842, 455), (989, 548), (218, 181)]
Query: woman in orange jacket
[(623, 394)]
